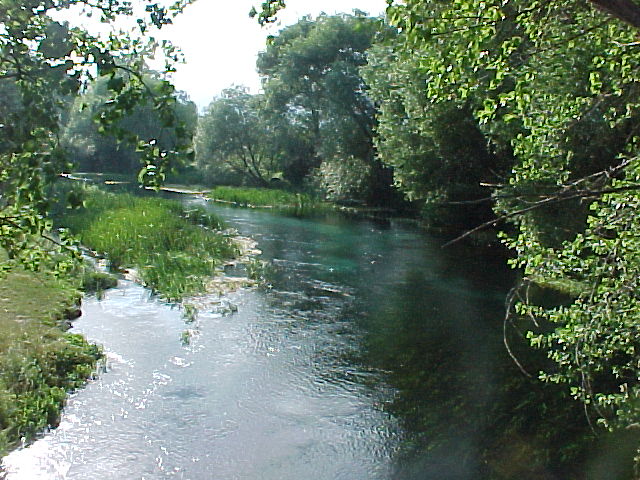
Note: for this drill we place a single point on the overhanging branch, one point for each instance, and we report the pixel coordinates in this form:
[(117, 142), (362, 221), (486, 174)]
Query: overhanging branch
[(625, 10)]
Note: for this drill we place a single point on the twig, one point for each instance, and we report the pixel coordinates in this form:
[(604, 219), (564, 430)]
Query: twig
[(507, 319), (10, 222)]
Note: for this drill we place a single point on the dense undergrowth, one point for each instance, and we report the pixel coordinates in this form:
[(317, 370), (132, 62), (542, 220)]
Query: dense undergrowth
[(39, 361), (174, 249)]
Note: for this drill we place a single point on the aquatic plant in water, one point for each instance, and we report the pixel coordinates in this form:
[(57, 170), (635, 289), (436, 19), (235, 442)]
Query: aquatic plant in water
[(173, 249), (261, 197)]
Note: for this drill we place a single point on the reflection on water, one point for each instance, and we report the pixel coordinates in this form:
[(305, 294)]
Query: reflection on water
[(374, 355)]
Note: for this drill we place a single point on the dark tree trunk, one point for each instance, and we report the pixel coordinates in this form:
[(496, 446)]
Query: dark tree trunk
[(625, 10)]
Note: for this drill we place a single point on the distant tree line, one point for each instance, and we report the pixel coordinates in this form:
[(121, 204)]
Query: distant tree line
[(313, 126), (342, 115), (93, 150)]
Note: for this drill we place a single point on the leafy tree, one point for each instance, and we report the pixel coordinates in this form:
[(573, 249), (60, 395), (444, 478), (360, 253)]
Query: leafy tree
[(44, 62), (344, 180), (235, 138), (439, 155), (311, 75), (569, 73)]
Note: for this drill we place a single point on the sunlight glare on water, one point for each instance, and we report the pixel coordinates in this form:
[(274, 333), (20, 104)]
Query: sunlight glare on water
[(324, 375), (262, 393)]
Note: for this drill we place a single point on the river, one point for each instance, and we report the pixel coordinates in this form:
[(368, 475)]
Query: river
[(373, 354)]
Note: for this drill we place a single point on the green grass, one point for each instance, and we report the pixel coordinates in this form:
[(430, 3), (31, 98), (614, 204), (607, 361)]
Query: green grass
[(39, 362), (260, 197), (174, 249)]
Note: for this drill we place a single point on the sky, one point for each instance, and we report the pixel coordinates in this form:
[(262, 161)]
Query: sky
[(221, 42)]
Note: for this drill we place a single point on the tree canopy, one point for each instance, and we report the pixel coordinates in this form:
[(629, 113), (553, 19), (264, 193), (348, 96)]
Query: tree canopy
[(235, 139), (311, 74), (93, 151), (510, 112), (557, 81), (43, 64)]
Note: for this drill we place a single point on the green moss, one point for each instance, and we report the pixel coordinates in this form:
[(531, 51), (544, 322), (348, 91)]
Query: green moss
[(566, 286), (39, 361), (93, 281)]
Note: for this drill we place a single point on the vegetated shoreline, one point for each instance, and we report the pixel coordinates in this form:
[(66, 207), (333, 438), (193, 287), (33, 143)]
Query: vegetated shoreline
[(41, 363), (303, 204), (172, 247), (267, 198)]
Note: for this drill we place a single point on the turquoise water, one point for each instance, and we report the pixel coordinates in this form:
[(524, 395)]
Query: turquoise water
[(372, 354)]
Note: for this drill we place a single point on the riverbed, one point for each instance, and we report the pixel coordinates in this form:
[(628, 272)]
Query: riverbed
[(349, 363)]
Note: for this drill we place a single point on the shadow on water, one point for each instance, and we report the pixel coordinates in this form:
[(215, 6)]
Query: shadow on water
[(425, 330), (432, 321), (374, 354)]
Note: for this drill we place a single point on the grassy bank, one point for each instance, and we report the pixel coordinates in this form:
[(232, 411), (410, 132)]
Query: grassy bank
[(261, 197), (173, 249), (39, 361)]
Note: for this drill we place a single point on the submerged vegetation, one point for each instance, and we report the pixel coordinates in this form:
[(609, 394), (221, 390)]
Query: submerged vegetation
[(173, 249), (39, 362)]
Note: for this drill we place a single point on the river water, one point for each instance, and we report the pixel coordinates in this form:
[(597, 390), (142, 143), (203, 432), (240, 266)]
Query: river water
[(373, 354)]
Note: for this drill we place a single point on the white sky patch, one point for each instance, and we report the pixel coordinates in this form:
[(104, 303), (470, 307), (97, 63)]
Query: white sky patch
[(221, 43)]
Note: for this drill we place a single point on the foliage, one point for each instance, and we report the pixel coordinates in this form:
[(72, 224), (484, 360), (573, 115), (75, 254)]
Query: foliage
[(96, 282), (97, 152), (235, 138), (344, 180), (565, 75), (39, 363), (310, 74), (440, 158), (259, 197), (268, 11), (174, 250), (44, 63)]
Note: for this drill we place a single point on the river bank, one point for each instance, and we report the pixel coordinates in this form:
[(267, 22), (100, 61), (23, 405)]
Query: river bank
[(175, 251), (39, 361), (374, 353)]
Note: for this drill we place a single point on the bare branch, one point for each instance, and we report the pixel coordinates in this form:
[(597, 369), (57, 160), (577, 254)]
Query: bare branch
[(560, 197), (12, 223)]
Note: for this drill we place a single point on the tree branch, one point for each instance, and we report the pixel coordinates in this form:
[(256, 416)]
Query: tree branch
[(11, 223), (625, 10), (552, 200)]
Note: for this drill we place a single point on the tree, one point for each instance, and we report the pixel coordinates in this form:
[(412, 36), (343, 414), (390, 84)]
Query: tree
[(99, 152), (234, 137), (310, 74), (439, 155), (42, 64), (570, 75)]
